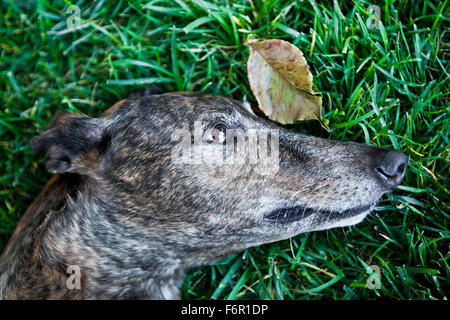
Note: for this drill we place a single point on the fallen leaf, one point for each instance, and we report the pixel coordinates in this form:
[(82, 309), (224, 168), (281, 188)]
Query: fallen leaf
[(281, 82)]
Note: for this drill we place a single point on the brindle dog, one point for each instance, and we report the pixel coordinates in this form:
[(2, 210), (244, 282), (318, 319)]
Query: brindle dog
[(133, 220)]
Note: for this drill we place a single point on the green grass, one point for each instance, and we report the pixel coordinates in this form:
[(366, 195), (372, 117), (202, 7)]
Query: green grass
[(386, 87)]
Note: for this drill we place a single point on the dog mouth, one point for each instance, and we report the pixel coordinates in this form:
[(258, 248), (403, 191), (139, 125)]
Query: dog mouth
[(292, 214)]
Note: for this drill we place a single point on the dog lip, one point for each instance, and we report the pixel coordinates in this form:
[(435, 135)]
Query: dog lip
[(292, 214)]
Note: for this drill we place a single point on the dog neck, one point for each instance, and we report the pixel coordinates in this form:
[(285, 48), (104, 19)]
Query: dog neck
[(74, 242)]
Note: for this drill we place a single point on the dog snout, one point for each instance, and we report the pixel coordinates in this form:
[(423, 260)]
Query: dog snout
[(390, 167)]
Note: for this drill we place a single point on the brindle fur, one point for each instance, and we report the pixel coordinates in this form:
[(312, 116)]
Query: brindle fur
[(135, 222)]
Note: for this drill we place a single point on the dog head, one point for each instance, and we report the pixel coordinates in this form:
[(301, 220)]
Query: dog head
[(204, 175)]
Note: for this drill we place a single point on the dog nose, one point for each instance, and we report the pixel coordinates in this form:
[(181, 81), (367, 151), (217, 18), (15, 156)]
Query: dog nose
[(390, 168)]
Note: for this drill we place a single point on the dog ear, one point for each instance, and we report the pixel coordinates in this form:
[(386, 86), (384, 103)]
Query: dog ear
[(72, 143)]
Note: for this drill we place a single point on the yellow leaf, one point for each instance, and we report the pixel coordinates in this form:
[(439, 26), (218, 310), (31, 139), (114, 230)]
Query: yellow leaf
[(281, 82)]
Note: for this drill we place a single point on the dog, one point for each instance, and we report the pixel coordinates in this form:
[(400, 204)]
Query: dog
[(130, 208)]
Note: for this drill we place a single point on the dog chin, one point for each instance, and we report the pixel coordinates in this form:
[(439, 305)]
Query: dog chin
[(282, 231), (344, 222)]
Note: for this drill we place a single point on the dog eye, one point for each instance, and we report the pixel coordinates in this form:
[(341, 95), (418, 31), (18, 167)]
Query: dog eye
[(217, 133)]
